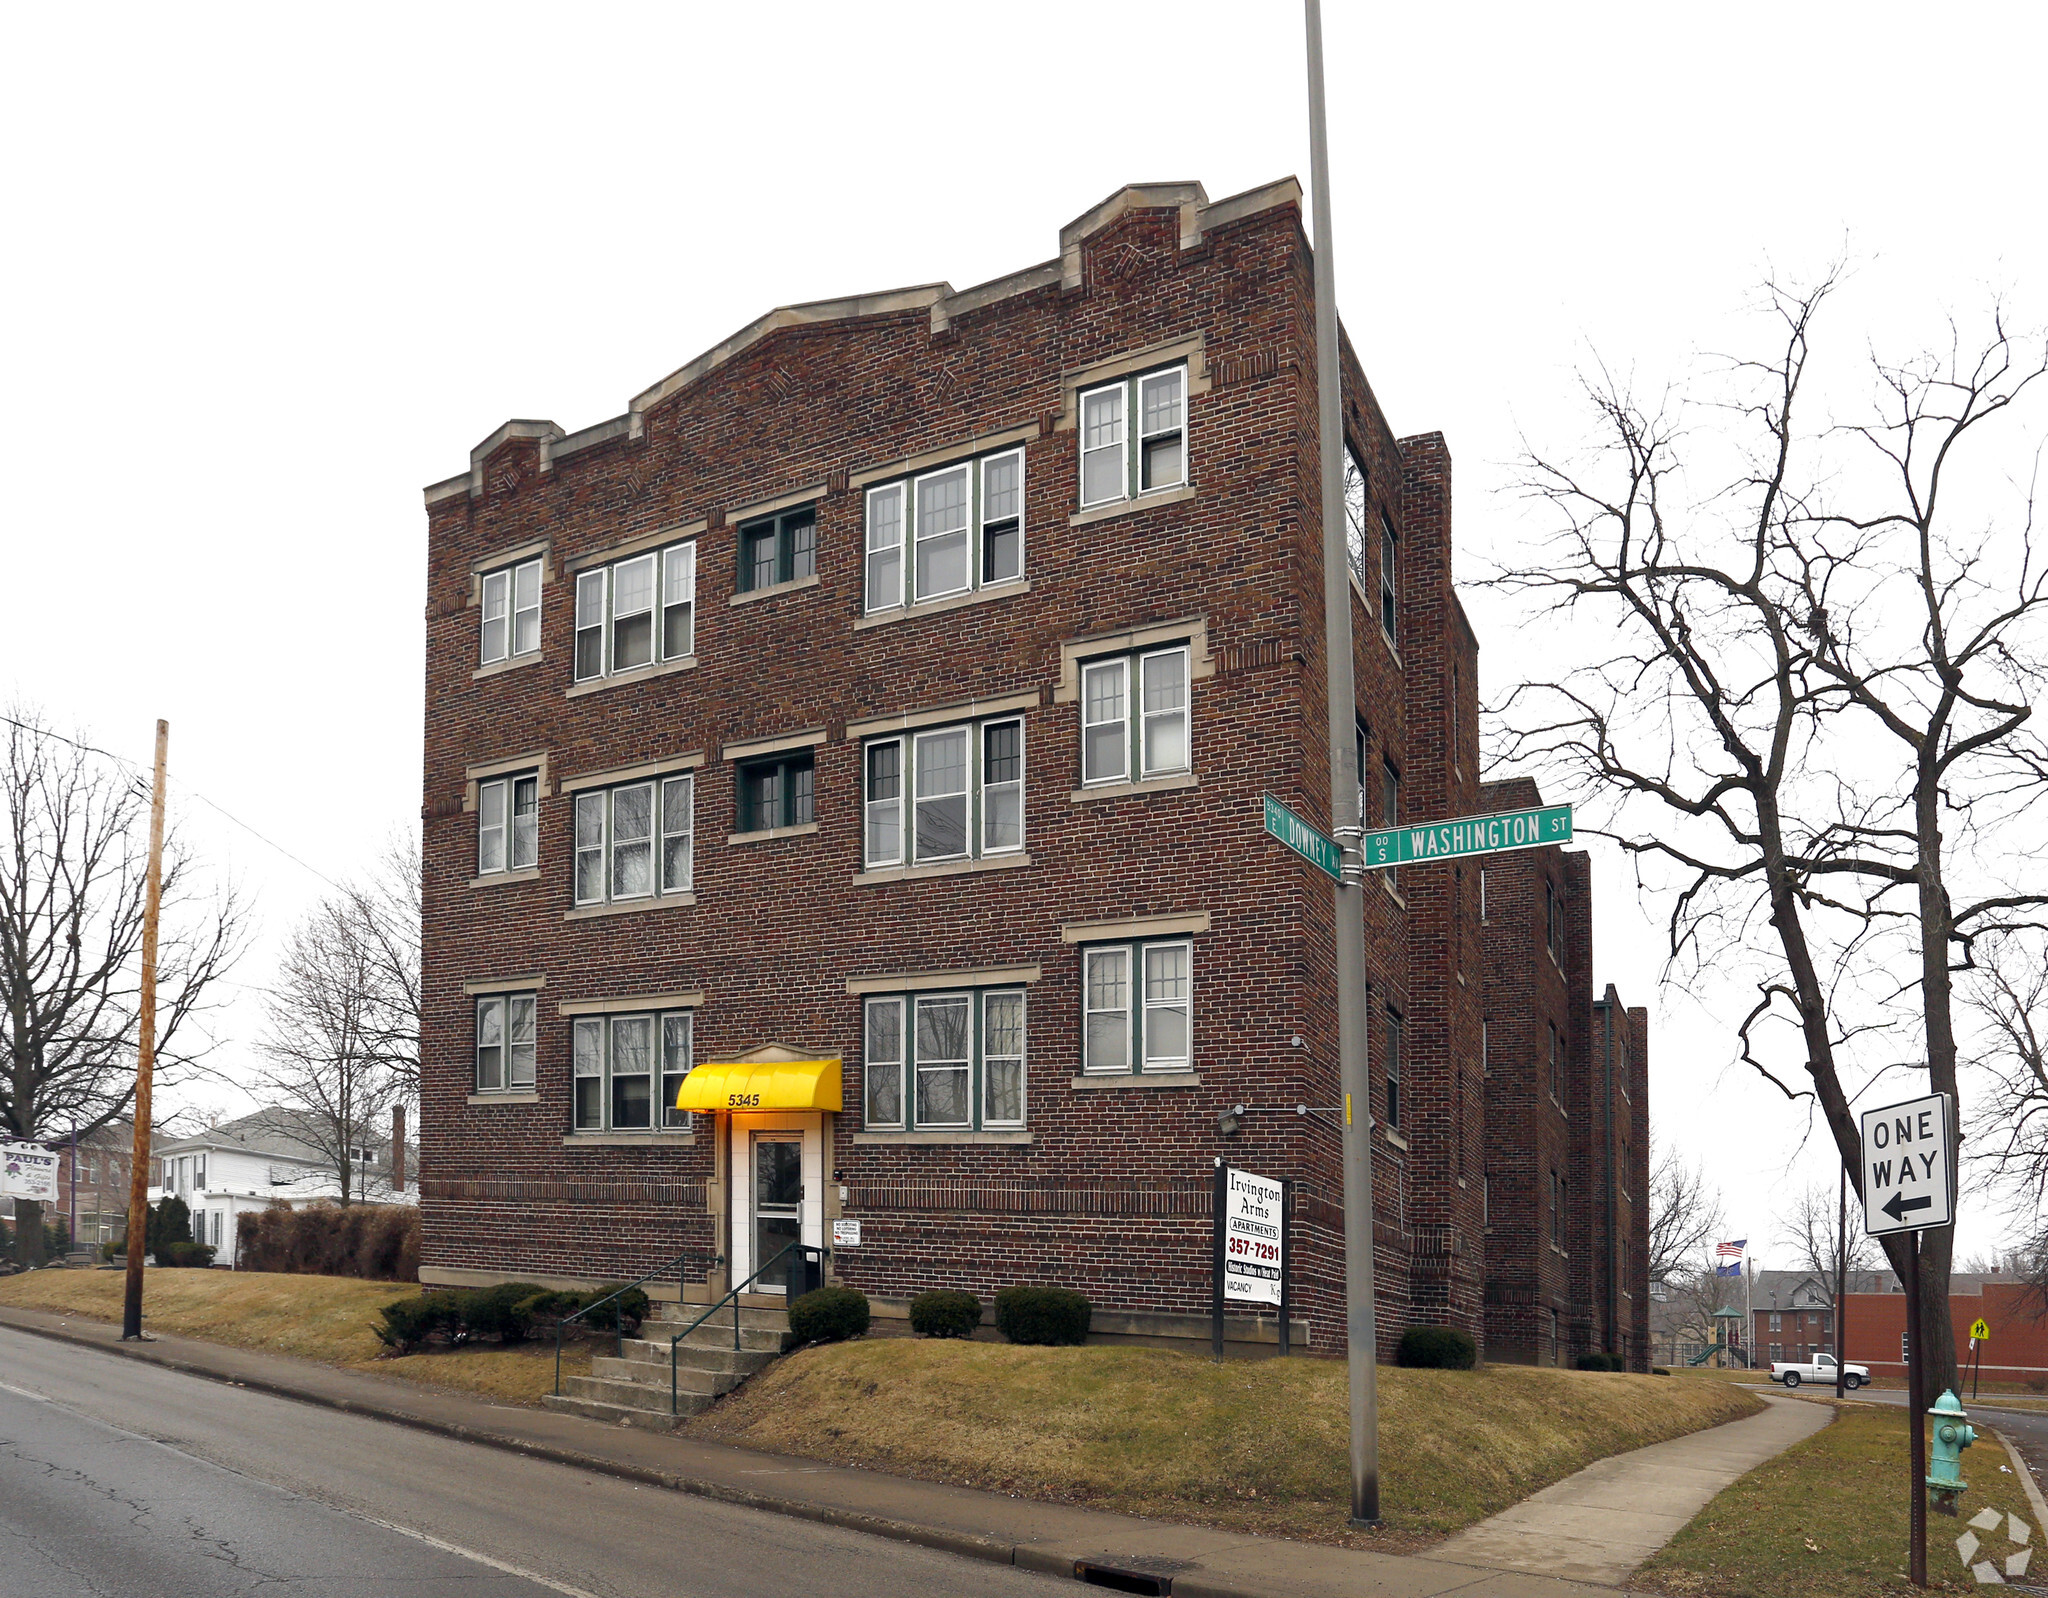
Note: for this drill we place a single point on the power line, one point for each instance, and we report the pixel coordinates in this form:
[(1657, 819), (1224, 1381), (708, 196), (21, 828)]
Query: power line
[(123, 760)]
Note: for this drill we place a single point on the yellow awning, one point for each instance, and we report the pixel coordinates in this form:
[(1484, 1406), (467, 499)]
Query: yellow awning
[(762, 1085)]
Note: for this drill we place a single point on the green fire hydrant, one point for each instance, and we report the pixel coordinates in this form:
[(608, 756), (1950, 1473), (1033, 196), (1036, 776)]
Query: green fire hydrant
[(1952, 1434)]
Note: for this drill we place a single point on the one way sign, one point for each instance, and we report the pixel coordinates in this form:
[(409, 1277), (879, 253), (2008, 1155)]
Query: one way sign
[(1909, 1166)]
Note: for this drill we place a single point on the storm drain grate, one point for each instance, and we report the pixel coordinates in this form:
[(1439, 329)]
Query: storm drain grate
[(1116, 1580)]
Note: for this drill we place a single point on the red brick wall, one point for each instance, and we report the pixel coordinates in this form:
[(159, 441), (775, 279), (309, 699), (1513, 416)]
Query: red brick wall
[(2017, 1350)]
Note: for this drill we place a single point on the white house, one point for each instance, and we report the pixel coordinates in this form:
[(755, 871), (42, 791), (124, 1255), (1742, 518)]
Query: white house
[(243, 1166)]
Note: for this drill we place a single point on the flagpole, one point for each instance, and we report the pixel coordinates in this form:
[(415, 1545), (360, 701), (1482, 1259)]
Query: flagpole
[(1748, 1313)]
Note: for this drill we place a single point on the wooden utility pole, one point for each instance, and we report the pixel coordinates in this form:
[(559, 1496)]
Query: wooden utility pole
[(145, 1052)]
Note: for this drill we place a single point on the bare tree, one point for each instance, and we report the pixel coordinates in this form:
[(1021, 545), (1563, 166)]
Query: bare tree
[(1685, 1215), (325, 1038), (1809, 712), (73, 864), (2009, 993), (384, 909), (1811, 1233)]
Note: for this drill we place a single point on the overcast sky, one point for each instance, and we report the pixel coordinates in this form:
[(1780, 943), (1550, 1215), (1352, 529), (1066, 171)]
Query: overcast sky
[(272, 269)]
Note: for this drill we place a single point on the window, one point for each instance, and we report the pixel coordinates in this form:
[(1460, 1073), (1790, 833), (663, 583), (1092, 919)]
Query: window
[(1482, 894), (199, 1172), (511, 612), (1389, 569), (776, 793), (1393, 1066), (507, 824), (777, 549), (1127, 736), (1115, 463), (961, 1056), (1551, 1082), (1485, 1062), (1550, 917), (623, 1063), (1390, 815), (966, 531), (617, 832), (966, 796), (637, 611), (1556, 1208), (1137, 1005), (504, 1043), (1359, 742), (1777, 1321), (1357, 513)]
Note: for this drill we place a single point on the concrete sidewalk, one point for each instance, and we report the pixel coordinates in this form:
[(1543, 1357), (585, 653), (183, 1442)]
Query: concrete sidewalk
[(1599, 1525), (1190, 1561)]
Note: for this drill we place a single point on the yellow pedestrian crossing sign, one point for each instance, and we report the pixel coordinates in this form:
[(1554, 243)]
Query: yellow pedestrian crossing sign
[(1980, 1329)]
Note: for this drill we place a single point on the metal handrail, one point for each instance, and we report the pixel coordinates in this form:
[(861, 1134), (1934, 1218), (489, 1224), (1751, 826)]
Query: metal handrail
[(732, 1298), (618, 1322)]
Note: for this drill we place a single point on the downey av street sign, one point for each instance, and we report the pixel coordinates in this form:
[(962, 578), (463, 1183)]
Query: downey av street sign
[(1468, 835)]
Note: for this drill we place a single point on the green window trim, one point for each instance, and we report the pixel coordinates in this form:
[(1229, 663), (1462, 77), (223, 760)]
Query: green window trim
[(946, 532), (604, 1099), (1133, 436), (1138, 1007), (776, 549), (777, 792), (953, 1061), (910, 819)]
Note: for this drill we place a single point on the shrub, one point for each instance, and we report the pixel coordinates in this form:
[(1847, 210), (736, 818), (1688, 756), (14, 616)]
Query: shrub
[(630, 1307), (498, 1311), (1659, 1370), (114, 1249), (945, 1312), (185, 1255), (167, 1221), (1050, 1315), (829, 1315), (1601, 1362), (409, 1322), (1436, 1348), (380, 1242)]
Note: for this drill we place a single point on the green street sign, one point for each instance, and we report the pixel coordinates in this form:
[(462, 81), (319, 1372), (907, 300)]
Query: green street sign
[(1466, 835), (1304, 840)]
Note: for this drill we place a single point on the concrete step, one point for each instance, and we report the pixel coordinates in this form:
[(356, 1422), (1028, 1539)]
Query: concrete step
[(671, 1320), (650, 1346), (654, 1376), (624, 1415), (641, 1358), (644, 1396)]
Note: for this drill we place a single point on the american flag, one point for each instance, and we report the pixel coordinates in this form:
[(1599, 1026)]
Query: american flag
[(1731, 1251)]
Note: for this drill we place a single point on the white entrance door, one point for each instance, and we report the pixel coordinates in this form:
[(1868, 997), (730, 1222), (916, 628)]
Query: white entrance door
[(777, 1192)]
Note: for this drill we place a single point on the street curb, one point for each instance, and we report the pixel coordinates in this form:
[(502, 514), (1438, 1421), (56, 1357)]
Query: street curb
[(992, 1550), (2031, 1487)]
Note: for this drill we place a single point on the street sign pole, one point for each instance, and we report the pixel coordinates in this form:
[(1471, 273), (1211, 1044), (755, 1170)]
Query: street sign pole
[(1361, 1331), (1916, 1413)]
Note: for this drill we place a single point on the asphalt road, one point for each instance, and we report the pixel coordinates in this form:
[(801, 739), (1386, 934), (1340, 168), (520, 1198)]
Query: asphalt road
[(121, 1479)]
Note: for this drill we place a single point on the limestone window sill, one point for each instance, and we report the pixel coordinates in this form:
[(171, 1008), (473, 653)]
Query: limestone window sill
[(627, 1140), (938, 607), (517, 1096), (947, 1139), (618, 679), (499, 879), (1139, 1079), (803, 829), (1126, 790), (593, 912), (770, 590), (498, 668), (1126, 507), (949, 868), (1394, 1138)]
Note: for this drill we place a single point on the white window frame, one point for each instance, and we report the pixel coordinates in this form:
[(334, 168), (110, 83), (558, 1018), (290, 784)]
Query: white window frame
[(602, 803), (518, 849), (1130, 670), (1390, 583), (1131, 437), (1184, 1002), (676, 589), (889, 579), (599, 1064), (901, 1110), (505, 1009), (1120, 444), (1357, 511), (896, 817), (596, 610), (965, 793), (964, 470), (504, 607)]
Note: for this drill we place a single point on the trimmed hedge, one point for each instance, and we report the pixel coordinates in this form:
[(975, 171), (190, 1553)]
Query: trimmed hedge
[(380, 1242), (1437, 1348), (829, 1315), (945, 1312), (511, 1312), (1043, 1315)]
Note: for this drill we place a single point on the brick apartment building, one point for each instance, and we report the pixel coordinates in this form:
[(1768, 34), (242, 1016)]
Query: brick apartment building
[(870, 727), (92, 1185)]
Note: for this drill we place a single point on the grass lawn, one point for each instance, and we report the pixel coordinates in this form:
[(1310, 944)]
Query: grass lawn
[(1828, 1519), (1254, 1445), (326, 1318)]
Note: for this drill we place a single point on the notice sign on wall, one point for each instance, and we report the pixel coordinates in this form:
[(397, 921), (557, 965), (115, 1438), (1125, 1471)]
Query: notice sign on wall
[(28, 1172), (1253, 1238)]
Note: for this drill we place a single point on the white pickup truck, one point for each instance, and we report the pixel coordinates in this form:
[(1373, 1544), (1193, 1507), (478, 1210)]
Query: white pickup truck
[(1820, 1369)]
